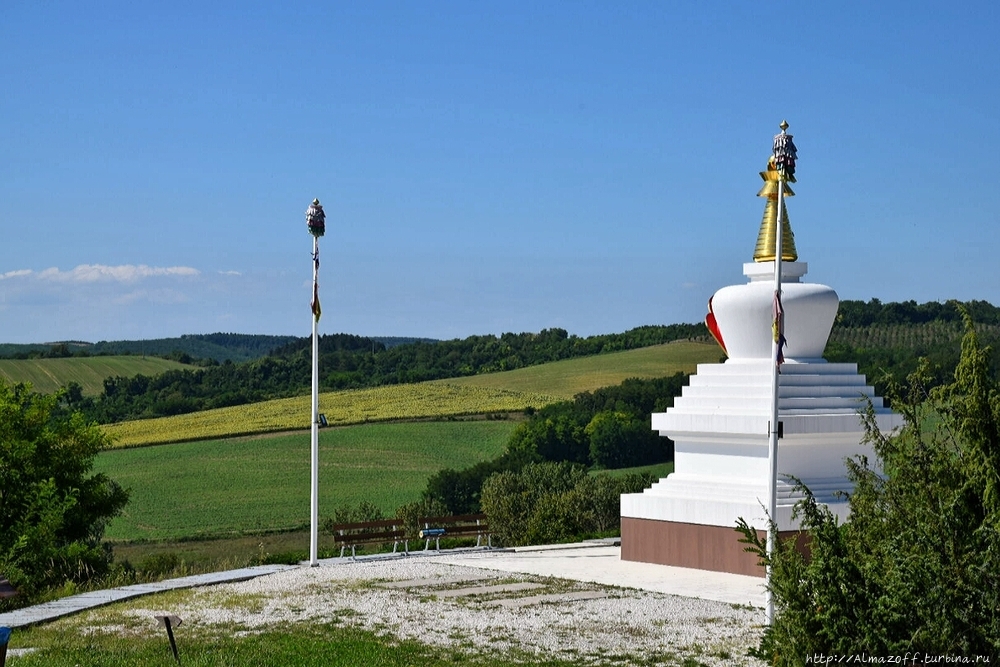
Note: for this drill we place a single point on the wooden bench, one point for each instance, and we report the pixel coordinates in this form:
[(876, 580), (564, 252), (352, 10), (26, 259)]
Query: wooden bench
[(370, 532), (462, 525)]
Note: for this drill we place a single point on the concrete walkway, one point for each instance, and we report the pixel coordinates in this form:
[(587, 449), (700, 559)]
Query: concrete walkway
[(593, 562), (73, 604)]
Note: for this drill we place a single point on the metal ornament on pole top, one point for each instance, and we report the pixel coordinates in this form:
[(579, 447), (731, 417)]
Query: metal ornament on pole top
[(316, 222), (784, 156)]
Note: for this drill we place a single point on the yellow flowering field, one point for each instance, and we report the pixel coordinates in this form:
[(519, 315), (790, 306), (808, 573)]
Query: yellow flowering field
[(409, 401)]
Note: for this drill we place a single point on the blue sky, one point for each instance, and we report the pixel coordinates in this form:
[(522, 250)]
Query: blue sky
[(485, 167)]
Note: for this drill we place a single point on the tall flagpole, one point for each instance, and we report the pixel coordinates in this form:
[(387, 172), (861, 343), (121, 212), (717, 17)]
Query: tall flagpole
[(316, 221), (784, 161)]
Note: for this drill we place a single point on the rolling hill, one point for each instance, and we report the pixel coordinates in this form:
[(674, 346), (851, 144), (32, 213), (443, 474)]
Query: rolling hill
[(510, 391), (48, 375)]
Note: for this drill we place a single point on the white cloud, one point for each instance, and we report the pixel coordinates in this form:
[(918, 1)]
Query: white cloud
[(16, 274), (230, 273), (92, 273)]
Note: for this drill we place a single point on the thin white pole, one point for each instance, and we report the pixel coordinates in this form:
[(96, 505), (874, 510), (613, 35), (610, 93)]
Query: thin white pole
[(772, 449), (314, 486)]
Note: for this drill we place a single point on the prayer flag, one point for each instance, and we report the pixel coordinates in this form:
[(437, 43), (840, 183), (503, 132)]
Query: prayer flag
[(316, 310), (778, 327)]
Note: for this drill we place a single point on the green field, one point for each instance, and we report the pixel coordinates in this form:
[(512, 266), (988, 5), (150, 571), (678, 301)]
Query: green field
[(247, 485), (48, 375), (251, 485), (568, 378)]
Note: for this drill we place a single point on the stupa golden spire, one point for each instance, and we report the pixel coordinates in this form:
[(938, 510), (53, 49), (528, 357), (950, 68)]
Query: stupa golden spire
[(764, 252)]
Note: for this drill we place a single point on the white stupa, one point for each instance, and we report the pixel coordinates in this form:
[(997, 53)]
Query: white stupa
[(720, 424)]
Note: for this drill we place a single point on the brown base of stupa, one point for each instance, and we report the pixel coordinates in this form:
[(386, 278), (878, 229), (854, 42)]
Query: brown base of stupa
[(715, 548)]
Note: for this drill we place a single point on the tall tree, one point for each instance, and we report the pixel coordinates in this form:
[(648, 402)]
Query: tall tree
[(53, 510)]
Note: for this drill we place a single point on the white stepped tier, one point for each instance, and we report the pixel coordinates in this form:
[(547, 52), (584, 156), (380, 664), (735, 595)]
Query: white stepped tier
[(720, 427), (735, 397)]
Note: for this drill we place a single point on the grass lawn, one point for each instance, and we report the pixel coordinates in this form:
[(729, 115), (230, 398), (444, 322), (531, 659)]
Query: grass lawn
[(226, 553), (296, 645), (261, 484)]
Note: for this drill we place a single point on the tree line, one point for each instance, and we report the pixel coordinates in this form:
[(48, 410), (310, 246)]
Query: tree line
[(862, 313), (199, 349), (606, 428)]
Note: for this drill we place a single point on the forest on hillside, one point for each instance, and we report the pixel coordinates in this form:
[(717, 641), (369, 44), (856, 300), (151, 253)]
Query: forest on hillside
[(201, 349)]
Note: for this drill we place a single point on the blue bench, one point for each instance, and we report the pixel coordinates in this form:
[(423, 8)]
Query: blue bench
[(461, 525)]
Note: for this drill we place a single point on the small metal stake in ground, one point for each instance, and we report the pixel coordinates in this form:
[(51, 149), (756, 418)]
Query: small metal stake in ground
[(170, 622)]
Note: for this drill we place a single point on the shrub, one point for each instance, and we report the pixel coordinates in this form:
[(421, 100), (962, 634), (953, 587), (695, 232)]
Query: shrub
[(552, 437), (555, 502), (459, 491), (917, 566)]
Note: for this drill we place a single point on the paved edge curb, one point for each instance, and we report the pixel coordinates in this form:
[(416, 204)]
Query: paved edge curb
[(74, 604)]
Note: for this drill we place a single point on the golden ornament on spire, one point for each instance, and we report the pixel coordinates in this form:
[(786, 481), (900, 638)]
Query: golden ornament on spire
[(764, 252)]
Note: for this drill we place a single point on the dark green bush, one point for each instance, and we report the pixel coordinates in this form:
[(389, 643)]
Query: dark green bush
[(620, 440), (555, 502), (917, 566)]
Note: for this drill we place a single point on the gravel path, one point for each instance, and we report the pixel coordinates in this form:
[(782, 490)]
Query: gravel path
[(455, 605)]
